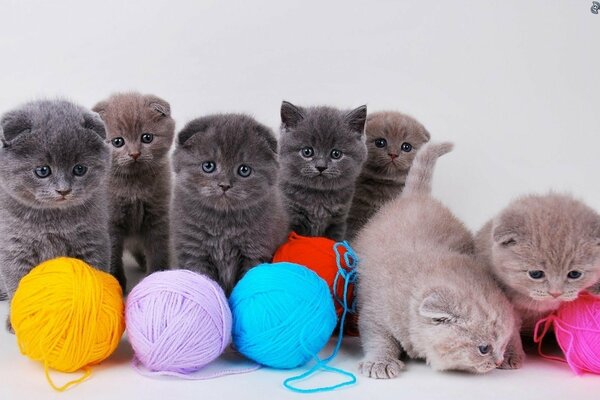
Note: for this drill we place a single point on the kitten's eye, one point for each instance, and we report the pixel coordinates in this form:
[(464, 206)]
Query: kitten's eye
[(406, 147), (244, 171), (209, 167), (484, 349), (43, 171), (79, 170), (574, 274), (147, 138), (336, 154), (307, 152), (381, 143), (536, 274), (118, 142)]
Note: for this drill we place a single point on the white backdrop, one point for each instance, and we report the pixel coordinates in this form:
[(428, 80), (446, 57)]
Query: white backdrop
[(515, 84)]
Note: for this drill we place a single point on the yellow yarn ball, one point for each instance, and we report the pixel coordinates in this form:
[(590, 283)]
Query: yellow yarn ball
[(67, 315)]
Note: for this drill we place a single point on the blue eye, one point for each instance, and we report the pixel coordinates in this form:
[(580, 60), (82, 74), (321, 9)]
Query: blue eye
[(43, 171), (307, 152), (536, 274), (574, 274), (244, 171), (118, 142), (147, 138), (336, 154), (484, 349), (209, 167), (381, 143), (406, 147), (79, 170)]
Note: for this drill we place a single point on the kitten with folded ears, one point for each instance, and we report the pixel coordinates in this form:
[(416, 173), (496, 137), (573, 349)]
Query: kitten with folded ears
[(140, 130), (421, 291), (393, 139), (53, 169), (227, 211), (543, 250)]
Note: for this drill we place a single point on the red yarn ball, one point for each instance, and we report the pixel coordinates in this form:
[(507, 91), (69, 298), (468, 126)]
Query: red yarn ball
[(317, 254)]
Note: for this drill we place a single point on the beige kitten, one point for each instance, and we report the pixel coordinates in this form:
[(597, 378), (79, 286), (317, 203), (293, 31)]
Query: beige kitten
[(422, 294), (543, 250)]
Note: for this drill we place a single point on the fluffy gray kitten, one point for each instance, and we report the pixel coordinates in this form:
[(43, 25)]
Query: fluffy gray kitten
[(140, 130), (322, 150), (424, 295), (544, 250), (393, 139), (53, 167), (227, 212)]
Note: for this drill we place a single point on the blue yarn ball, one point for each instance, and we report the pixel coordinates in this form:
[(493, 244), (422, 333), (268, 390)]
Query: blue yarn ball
[(283, 315)]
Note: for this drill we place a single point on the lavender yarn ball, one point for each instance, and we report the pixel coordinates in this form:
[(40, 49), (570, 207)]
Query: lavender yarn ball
[(177, 321)]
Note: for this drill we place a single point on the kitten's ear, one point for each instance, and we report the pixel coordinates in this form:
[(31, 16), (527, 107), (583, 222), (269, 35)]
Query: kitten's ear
[(100, 108), (92, 121), (440, 306), (357, 118), (507, 230), (426, 135), (160, 106), (267, 134), (14, 123), (194, 127), (290, 114)]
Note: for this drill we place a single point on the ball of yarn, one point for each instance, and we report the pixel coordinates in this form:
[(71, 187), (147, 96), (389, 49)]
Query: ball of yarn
[(67, 314), (317, 254), (177, 321), (577, 330), (283, 315)]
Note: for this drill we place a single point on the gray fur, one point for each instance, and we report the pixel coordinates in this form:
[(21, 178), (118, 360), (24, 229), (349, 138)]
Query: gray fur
[(552, 233), (384, 173), (318, 201), (140, 179), (224, 224), (36, 222), (423, 295)]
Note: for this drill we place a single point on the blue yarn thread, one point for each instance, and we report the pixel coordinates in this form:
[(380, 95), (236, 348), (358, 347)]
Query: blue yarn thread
[(349, 276)]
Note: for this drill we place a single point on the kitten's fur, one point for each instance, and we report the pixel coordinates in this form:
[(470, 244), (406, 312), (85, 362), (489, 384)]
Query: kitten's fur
[(384, 173), (319, 189), (36, 222), (423, 294), (140, 180), (551, 233), (222, 223)]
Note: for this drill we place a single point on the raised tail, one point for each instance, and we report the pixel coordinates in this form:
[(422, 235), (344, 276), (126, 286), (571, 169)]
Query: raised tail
[(421, 171)]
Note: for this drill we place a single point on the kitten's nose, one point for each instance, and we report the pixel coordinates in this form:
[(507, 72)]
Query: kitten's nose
[(224, 186), (135, 156), (64, 192), (555, 294), (321, 169), (393, 156)]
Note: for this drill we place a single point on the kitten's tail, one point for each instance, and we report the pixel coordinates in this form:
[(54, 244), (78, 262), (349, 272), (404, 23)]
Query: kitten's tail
[(421, 171)]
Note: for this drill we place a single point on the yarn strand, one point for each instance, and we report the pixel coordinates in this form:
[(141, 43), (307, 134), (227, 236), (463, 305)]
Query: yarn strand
[(87, 372), (349, 276)]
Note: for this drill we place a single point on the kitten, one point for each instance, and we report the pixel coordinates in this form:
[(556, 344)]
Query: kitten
[(140, 130), (423, 295), (227, 213), (543, 250), (393, 139), (53, 167), (322, 150)]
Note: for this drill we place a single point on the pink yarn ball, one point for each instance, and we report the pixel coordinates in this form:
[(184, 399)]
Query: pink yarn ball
[(577, 330)]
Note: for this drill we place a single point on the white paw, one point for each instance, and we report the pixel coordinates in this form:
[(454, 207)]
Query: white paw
[(512, 360), (381, 369)]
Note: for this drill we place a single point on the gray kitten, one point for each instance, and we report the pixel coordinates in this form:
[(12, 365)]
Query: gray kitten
[(322, 150), (423, 295), (393, 139), (544, 250), (140, 130), (227, 213), (53, 167)]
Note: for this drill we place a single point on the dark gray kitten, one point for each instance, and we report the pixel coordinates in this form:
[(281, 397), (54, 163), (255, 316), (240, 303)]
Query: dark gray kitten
[(140, 130), (227, 212), (393, 139), (322, 150), (53, 166)]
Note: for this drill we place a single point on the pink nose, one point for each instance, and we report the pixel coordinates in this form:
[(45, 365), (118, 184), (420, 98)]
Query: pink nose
[(135, 156), (555, 294), (393, 156)]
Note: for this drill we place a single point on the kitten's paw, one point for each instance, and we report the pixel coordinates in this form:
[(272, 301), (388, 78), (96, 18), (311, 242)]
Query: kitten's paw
[(594, 290), (513, 360), (381, 369), (9, 327)]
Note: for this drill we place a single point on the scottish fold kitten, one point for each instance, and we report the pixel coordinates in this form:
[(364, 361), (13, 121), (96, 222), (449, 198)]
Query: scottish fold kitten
[(543, 250), (393, 139), (322, 150), (140, 131), (227, 213), (422, 294), (53, 167)]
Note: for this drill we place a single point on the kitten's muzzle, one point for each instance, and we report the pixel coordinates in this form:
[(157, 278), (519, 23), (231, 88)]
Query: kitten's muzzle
[(135, 156), (64, 193), (224, 187)]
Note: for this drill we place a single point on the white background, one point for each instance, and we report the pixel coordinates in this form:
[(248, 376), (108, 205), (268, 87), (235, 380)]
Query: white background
[(515, 84)]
